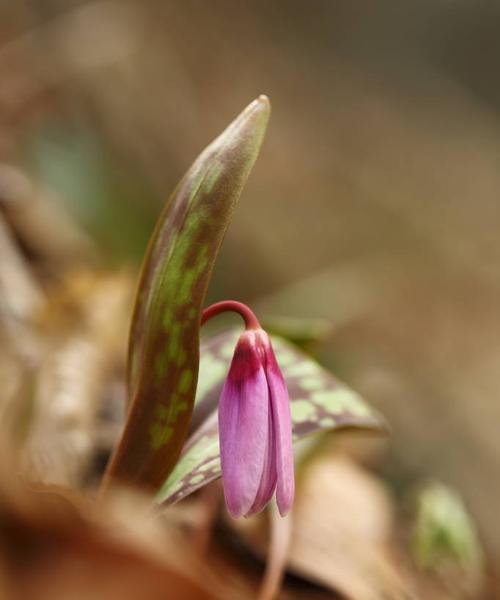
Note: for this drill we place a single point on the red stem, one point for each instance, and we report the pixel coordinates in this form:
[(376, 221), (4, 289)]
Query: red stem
[(251, 321)]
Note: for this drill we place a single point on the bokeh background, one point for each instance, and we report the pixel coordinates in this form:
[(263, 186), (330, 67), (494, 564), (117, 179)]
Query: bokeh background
[(373, 208)]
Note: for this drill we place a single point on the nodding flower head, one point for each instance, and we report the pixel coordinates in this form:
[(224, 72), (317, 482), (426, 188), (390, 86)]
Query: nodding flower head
[(255, 426), (255, 430)]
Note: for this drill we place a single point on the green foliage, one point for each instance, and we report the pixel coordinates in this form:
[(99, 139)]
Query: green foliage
[(164, 337), (444, 531), (318, 401)]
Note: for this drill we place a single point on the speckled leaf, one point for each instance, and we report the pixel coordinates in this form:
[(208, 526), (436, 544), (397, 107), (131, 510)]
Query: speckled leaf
[(164, 336), (318, 402)]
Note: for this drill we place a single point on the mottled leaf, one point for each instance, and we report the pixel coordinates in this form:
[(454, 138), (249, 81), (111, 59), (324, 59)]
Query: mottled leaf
[(318, 402), (301, 331), (164, 337)]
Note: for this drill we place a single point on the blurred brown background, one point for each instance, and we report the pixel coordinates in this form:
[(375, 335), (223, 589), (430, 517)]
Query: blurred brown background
[(374, 203)]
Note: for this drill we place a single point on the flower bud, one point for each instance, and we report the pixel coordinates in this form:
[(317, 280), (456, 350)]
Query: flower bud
[(255, 429)]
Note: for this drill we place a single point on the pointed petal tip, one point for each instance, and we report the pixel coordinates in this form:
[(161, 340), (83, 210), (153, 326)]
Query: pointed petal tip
[(238, 507), (235, 510)]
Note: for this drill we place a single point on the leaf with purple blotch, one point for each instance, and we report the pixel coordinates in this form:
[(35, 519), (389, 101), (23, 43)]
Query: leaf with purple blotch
[(318, 402), (164, 337)]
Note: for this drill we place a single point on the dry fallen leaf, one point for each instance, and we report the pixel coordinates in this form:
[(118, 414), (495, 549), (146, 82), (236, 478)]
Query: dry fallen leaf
[(55, 545), (342, 532), (85, 336)]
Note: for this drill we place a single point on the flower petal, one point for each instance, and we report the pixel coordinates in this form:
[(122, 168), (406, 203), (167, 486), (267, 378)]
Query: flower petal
[(243, 431), (282, 423), (269, 476)]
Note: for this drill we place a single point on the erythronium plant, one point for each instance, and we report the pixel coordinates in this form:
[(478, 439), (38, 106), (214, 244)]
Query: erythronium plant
[(170, 443), (255, 426)]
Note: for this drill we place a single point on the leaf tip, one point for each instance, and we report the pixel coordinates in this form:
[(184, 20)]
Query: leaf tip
[(261, 107), (255, 116), (264, 101)]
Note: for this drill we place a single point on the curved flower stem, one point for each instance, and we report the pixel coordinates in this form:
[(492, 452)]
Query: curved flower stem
[(251, 321)]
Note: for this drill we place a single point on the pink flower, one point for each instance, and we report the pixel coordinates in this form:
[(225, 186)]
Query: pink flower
[(255, 429)]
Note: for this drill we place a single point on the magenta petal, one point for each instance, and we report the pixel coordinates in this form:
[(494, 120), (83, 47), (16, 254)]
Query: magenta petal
[(255, 430), (282, 422), (243, 434), (268, 480)]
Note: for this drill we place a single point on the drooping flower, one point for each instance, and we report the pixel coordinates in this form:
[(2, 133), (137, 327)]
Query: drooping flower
[(255, 430), (255, 425)]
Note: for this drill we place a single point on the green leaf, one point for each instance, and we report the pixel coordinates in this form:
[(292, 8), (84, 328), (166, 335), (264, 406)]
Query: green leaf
[(318, 402), (444, 531), (164, 336)]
